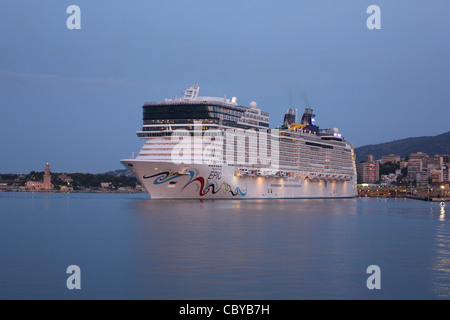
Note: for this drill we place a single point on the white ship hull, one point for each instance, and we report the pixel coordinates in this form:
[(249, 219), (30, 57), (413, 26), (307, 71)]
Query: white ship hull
[(166, 180)]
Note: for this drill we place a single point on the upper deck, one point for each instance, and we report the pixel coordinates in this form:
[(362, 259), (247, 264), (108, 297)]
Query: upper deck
[(162, 117)]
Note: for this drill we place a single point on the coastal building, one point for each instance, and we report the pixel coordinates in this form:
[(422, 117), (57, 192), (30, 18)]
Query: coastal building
[(369, 171), (389, 178), (46, 184), (445, 190), (65, 178), (445, 158), (446, 173), (403, 164), (417, 163), (436, 176), (392, 158), (422, 169), (370, 158), (47, 177), (422, 180), (106, 185)]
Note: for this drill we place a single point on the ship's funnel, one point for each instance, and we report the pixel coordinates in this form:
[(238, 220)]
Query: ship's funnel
[(308, 117), (289, 117)]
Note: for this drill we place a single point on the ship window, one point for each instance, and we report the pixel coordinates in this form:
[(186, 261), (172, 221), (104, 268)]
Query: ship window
[(180, 112)]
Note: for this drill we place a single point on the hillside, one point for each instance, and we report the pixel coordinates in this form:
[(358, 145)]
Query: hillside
[(120, 173), (439, 144)]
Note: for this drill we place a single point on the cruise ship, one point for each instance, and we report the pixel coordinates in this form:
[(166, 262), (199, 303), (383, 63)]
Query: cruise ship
[(213, 148)]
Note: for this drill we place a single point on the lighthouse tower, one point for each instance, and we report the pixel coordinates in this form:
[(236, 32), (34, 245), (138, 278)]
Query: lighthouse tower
[(47, 178)]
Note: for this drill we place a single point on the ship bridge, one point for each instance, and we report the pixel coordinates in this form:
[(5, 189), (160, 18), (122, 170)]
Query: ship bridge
[(161, 118)]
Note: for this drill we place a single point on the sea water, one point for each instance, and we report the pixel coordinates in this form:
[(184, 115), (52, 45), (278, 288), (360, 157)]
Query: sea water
[(130, 247)]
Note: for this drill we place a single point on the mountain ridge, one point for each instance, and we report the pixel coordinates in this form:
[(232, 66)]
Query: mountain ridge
[(431, 145)]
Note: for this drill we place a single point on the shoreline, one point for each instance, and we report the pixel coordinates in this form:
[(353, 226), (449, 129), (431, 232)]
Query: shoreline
[(412, 197)]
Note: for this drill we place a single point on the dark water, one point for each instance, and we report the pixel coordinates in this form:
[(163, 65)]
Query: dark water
[(129, 247)]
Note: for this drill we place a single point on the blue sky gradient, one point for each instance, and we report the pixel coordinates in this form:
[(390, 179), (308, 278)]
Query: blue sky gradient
[(73, 97)]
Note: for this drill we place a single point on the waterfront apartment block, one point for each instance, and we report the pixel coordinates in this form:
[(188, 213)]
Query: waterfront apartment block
[(369, 171), (416, 164)]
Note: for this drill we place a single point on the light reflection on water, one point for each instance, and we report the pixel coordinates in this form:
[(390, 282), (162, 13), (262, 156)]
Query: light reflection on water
[(441, 262), (442, 215), (131, 247)]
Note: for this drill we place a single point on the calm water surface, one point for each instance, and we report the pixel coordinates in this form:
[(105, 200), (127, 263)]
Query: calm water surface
[(130, 247)]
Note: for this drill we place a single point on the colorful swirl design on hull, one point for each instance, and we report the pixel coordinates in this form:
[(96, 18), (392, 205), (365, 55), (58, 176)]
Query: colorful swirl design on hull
[(210, 186), (205, 186)]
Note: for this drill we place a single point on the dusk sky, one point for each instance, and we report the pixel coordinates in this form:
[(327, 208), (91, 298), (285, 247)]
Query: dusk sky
[(73, 98)]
